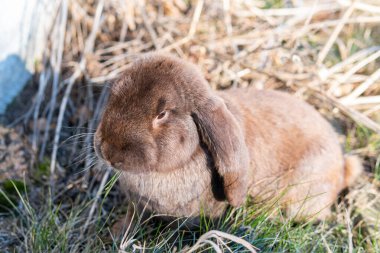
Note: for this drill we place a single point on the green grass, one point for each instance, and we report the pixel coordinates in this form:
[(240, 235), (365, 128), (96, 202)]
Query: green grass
[(356, 37), (361, 137), (34, 220), (38, 221), (55, 226), (51, 228)]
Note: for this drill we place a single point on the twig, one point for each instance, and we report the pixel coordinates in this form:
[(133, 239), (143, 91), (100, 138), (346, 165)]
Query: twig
[(353, 58), (91, 125), (56, 62), (149, 27), (360, 65), (293, 11), (348, 221), (361, 88), (363, 6), (97, 197), (326, 244), (362, 100), (62, 109), (372, 110), (227, 16), (218, 234), (44, 78), (322, 55), (353, 114), (193, 27), (125, 241), (325, 24), (89, 47)]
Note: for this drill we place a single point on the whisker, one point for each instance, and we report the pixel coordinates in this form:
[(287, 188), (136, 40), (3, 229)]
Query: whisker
[(80, 135), (79, 128)]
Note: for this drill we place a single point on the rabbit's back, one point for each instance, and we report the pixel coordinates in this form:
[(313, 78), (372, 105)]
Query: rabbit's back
[(279, 129), (292, 148)]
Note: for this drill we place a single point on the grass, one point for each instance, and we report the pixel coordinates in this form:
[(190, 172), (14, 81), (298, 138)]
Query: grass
[(262, 44), (47, 228), (377, 169)]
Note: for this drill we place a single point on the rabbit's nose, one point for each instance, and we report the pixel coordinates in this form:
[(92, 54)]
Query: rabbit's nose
[(116, 157), (108, 153)]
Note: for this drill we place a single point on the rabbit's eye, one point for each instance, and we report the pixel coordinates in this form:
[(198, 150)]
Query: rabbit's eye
[(160, 119), (162, 115)]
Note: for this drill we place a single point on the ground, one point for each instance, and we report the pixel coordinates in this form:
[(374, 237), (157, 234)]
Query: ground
[(324, 52)]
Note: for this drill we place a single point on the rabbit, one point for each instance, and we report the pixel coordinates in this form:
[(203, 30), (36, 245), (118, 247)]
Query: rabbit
[(185, 150)]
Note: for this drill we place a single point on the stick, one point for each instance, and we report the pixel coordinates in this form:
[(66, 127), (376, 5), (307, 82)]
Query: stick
[(149, 27), (361, 88), (353, 58), (322, 55), (360, 65), (218, 234), (293, 11), (56, 62), (353, 114), (91, 125), (362, 100), (89, 46), (98, 193), (193, 27)]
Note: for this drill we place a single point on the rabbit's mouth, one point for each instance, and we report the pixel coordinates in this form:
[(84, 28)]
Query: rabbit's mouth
[(98, 153), (97, 148)]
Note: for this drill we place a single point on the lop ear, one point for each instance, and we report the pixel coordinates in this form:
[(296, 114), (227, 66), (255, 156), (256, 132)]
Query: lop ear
[(223, 136)]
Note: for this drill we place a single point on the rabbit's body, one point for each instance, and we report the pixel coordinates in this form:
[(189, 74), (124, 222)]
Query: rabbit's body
[(292, 158), (294, 151), (184, 149), (178, 193)]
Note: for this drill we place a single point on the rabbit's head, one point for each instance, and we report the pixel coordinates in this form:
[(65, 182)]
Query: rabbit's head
[(158, 113)]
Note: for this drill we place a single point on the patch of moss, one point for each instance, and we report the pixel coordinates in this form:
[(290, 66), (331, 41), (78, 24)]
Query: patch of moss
[(43, 170), (359, 137)]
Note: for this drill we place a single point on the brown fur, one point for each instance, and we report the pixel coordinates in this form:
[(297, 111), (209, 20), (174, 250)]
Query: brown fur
[(207, 147)]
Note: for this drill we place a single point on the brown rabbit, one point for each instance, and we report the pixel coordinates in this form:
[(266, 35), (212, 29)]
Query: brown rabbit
[(184, 149)]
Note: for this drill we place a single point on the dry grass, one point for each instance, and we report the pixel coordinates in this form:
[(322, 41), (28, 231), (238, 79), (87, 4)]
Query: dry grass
[(325, 52)]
